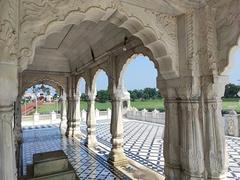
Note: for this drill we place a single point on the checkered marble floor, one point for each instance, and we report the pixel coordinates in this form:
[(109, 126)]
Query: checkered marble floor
[(143, 143), (87, 164)]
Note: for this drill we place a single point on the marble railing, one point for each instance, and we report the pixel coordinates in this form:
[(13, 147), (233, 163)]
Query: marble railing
[(40, 119), (98, 114), (154, 116), (232, 124)]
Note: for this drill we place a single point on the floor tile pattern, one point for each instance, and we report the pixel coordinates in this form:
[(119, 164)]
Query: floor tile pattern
[(233, 148), (87, 164), (143, 143)]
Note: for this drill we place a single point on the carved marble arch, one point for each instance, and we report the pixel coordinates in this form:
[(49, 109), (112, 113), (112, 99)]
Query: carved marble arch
[(56, 85), (125, 60), (79, 80), (228, 33), (133, 25), (231, 53), (96, 72)]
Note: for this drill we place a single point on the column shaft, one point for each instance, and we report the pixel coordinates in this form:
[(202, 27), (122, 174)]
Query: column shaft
[(216, 156), (117, 156), (77, 114), (69, 116), (8, 94), (91, 140), (171, 140), (73, 121), (191, 140), (7, 150)]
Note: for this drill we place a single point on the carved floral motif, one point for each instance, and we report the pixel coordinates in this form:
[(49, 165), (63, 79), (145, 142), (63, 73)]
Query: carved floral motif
[(40, 9), (8, 29), (169, 23)]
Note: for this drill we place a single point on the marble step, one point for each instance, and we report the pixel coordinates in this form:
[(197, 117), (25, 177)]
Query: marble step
[(66, 175), (49, 163)]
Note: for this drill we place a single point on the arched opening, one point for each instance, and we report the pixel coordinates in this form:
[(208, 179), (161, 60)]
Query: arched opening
[(231, 95), (81, 105), (232, 88), (40, 105), (102, 94), (231, 106), (145, 113), (81, 91)]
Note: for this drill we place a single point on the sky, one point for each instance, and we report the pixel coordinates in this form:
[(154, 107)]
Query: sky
[(234, 72), (141, 73)]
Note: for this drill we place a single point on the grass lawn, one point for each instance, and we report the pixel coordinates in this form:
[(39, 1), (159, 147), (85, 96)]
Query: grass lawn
[(148, 104), (46, 108), (231, 103)]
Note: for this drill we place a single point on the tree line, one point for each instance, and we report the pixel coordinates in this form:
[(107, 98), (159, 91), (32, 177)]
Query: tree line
[(136, 94), (231, 91)]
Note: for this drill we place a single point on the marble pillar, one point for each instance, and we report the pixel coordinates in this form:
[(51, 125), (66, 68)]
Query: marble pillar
[(191, 140), (172, 166), (63, 111), (7, 148), (77, 112), (69, 116), (91, 140), (60, 101), (8, 94), (215, 147), (117, 156), (73, 118)]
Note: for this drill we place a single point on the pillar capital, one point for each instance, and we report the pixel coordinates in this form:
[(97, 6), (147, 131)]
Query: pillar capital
[(213, 86), (6, 114), (91, 97), (187, 87)]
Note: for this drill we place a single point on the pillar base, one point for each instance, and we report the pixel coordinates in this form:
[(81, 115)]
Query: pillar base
[(117, 157), (191, 177), (91, 142), (69, 133), (218, 178), (172, 173)]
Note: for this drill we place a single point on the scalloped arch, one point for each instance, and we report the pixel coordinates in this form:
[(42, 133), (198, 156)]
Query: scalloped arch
[(231, 52), (95, 75), (79, 79), (47, 81), (133, 25), (130, 58)]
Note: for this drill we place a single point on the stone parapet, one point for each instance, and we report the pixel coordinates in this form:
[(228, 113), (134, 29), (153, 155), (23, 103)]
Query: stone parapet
[(153, 117)]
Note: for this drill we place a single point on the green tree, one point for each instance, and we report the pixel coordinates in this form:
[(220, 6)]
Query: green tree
[(102, 96), (133, 95), (231, 90), (150, 93), (83, 97)]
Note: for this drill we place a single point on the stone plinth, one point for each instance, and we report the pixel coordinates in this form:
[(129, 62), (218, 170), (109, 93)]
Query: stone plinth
[(232, 124)]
